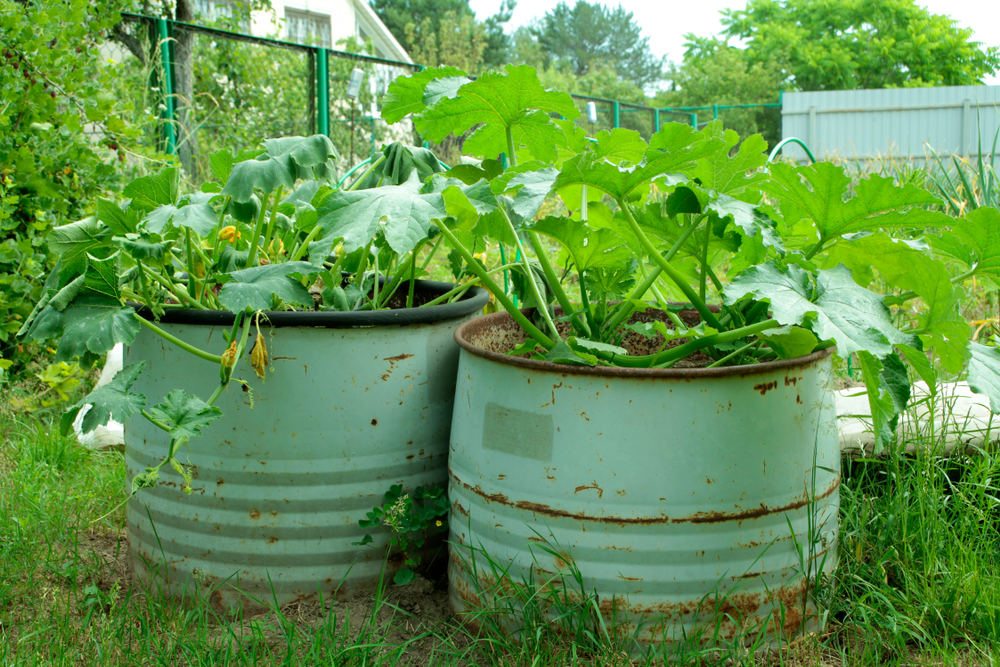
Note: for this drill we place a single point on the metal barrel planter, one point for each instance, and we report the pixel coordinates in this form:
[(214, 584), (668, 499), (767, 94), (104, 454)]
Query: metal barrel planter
[(353, 403), (699, 505)]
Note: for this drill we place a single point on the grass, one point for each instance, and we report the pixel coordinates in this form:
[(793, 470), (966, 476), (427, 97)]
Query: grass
[(917, 584)]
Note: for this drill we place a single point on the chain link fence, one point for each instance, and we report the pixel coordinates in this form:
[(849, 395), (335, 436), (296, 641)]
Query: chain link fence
[(195, 90)]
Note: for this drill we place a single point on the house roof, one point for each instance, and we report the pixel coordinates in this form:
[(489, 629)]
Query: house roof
[(380, 35)]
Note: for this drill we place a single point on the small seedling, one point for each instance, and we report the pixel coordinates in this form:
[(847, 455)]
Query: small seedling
[(412, 521)]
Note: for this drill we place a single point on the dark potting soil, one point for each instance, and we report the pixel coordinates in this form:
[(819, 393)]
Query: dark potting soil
[(507, 335)]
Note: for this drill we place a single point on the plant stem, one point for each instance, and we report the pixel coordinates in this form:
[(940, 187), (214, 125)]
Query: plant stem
[(272, 222), (674, 275), (543, 306), (733, 354), (625, 309), (585, 304), (516, 314), (207, 356), (365, 175), (413, 279), (177, 291), (143, 284), (257, 229), (550, 275), (464, 287), (218, 228), (430, 255), (703, 282), (815, 249), (302, 247), (192, 285)]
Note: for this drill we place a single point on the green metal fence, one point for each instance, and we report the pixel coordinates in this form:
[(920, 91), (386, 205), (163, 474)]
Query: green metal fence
[(237, 89)]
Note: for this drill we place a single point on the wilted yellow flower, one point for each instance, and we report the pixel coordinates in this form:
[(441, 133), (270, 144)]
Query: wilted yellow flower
[(276, 247), (229, 233), (258, 356), (229, 356), (339, 250)]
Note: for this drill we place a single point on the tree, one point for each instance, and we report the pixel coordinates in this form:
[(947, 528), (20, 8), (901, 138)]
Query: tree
[(458, 41), (427, 16), (588, 33), (858, 44), (63, 132), (713, 72)]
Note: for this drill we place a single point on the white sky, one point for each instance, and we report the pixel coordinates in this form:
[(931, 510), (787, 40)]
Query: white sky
[(666, 21)]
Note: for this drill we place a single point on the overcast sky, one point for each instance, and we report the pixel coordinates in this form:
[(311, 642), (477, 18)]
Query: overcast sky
[(666, 22)]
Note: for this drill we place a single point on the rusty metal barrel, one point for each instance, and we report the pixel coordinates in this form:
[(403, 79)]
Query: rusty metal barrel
[(698, 504), (352, 404)]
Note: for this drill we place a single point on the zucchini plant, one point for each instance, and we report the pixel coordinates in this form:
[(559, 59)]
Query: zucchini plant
[(270, 232), (779, 260)]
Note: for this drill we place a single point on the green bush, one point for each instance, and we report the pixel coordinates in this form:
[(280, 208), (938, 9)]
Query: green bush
[(62, 138)]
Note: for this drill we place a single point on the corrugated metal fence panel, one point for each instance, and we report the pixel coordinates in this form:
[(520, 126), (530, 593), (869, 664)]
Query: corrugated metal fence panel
[(898, 122)]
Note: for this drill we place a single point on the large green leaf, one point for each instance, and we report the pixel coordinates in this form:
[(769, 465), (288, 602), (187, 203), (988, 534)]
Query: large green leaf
[(197, 215), (159, 189), (790, 342), (402, 212), (819, 193), (73, 241), (888, 389), (589, 248), (949, 340), (185, 415), (835, 307), (974, 240), (984, 373), (746, 218), (89, 327), (119, 220), (737, 176), (109, 401), (283, 162), (904, 265), (412, 94), (528, 185), (253, 288), (139, 248), (675, 148), (620, 145), (465, 203), (499, 103)]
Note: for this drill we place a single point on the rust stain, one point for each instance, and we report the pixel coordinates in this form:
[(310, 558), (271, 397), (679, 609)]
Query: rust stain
[(254, 513), (763, 388), (622, 576), (500, 478), (461, 510), (398, 357), (593, 485), (548, 474), (798, 399), (701, 517), (292, 358), (220, 481), (790, 381), (374, 422), (272, 540)]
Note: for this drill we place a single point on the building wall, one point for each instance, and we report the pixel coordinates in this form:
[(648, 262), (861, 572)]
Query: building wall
[(901, 122)]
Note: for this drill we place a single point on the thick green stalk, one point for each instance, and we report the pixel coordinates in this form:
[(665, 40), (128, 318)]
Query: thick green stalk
[(625, 309), (177, 291), (218, 228), (464, 287), (258, 228), (413, 279), (516, 314), (550, 274), (530, 276), (671, 272), (733, 354), (374, 165), (202, 354), (703, 282), (681, 351), (430, 255), (302, 247), (271, 223), (192, 286)]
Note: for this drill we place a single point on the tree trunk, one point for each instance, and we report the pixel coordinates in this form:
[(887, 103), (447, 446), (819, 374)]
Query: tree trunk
[(187, 140)]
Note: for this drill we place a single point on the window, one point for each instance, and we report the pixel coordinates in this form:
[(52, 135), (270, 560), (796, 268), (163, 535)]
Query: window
[(307, 28)]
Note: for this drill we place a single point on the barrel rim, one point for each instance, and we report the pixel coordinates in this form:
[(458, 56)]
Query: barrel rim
[(464, 332), (475, 299)]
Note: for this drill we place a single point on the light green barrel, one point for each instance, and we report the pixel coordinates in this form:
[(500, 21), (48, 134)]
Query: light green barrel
[(355, 403), (683, 496)]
